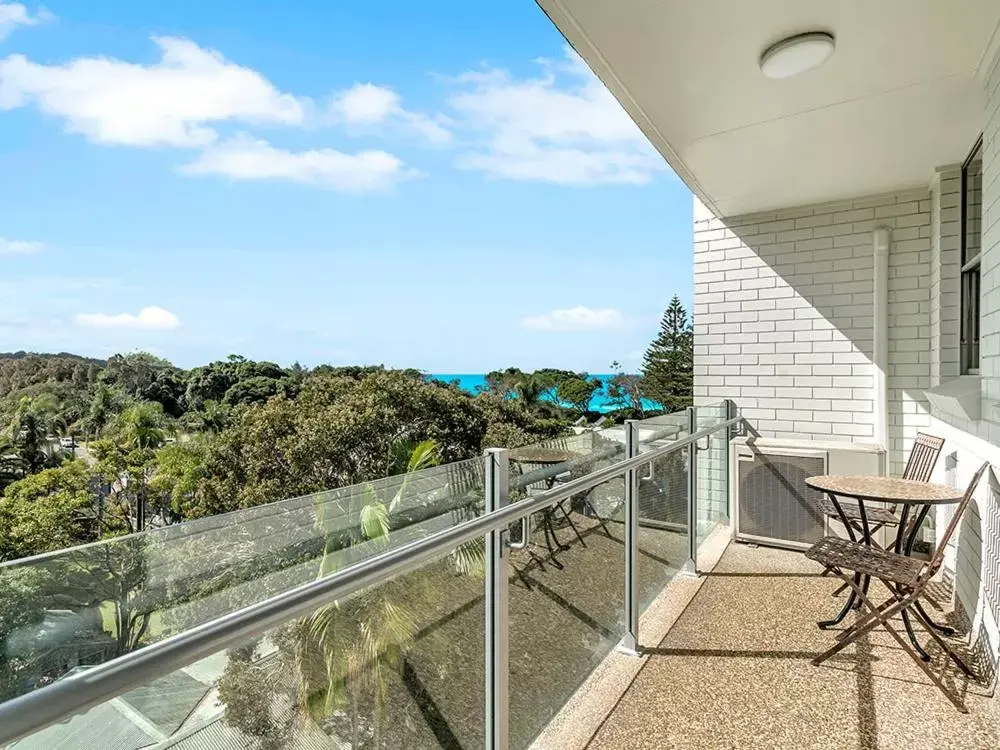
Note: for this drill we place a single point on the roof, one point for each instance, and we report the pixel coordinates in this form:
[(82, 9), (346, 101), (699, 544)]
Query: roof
[(900, 96), (217, 735), (109, 726)]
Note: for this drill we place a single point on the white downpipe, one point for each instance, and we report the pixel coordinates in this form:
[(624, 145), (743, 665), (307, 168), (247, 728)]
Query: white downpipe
[(880, 353)]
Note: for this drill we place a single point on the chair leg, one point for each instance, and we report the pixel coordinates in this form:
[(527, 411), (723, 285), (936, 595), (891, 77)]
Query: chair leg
[(604, 525), (944, 646), (864, 618), (926, 668), (883, 619), (570, 522), (859, 631)]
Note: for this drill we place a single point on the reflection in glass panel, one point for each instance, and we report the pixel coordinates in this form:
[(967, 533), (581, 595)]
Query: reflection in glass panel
[(567, 588), (400, 664), (86, 605)]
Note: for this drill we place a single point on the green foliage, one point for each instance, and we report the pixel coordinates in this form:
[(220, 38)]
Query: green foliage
[(338, 431), (668, 366), (578, 393), (141, 427), (252, 701), (21, 369), (503, 382), (238, 380), (146, 377), (21, 607), (253, 390), (47, 511), (510, 426), (179, 469), (626, 393)]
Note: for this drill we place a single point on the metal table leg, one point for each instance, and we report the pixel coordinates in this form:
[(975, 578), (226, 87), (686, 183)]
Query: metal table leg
[(909, 545), (866, 531)]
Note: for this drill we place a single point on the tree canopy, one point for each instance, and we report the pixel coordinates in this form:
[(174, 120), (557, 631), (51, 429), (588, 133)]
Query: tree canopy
[(668, 365)]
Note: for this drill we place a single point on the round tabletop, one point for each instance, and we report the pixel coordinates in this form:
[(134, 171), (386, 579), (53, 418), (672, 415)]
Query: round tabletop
[(886, 489), (539, 455)]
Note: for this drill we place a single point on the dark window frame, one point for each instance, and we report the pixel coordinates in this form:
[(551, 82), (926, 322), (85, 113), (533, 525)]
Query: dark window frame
[(971, 290)]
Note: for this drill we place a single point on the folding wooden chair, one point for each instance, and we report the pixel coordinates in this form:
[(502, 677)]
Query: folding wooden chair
[(905, 577), (920, 466)]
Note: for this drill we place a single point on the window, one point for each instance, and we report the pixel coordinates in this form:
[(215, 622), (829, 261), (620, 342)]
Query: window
[(972, 215)]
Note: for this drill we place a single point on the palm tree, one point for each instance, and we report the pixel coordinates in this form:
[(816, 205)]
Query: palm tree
[(29, 432), (361, 648), (142, 426), (100, 411)]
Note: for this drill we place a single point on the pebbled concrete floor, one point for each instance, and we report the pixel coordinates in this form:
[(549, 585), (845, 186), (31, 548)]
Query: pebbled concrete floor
[(735, 672)]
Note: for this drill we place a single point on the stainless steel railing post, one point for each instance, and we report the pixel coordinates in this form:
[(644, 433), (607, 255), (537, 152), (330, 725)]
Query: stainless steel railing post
[(691, 564), (630, 643), (496, 631)]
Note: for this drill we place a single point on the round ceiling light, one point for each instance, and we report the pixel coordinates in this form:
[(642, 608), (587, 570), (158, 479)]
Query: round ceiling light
[(796, 54)]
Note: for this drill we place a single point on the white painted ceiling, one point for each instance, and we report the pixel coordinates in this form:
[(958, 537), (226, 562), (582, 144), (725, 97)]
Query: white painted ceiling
[(899, 96)]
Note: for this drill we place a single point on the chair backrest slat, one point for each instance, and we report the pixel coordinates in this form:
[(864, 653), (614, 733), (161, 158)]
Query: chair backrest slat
[(938, 557), (923, 457)]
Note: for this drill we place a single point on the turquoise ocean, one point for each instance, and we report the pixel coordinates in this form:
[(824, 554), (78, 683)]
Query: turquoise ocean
[(473, 383)]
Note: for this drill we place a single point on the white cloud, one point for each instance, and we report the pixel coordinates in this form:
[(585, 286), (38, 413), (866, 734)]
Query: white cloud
[(365, 104), (576, 319), (563, 127), (151, 318), (18, 247), (244, 158), (172, 102), (13, 15)]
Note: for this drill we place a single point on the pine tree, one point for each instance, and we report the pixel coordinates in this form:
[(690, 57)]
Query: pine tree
[(668, 366)]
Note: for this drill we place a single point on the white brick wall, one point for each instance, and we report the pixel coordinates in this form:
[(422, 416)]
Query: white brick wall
[(973, 561), (783, 313), (945, 272), (783, 316), (990, 266)]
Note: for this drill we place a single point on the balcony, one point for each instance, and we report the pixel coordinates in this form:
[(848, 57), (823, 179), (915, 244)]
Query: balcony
[(741, 652), (413, 612)]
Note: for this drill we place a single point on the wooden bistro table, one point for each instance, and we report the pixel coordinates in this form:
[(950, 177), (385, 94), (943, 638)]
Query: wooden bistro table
[(919, 496)]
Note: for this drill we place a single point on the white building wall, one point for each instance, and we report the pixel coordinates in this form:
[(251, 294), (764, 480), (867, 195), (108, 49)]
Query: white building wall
[(975, 560), (945, 273), (783, 317)]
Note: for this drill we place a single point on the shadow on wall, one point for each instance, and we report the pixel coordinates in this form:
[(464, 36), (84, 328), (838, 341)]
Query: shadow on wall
[(977, 575), (784, 317)]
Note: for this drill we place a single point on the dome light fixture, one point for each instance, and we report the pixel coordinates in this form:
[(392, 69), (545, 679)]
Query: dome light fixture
[(796, 54)]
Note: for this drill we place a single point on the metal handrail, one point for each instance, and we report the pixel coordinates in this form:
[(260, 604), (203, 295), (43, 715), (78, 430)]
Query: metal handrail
[(77, 693)]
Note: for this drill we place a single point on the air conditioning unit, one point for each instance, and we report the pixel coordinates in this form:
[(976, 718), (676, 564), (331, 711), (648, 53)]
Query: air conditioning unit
[(772, 504)]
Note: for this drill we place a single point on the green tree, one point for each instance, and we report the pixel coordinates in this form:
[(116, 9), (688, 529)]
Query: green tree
[(627, 392), (578, 393), (21, 607), (50, 510), (178, 470), (253, 701), (337, 431), (134, 372), (34, 419), (529, 391), (142, 426), (668, 366), (212, 418)]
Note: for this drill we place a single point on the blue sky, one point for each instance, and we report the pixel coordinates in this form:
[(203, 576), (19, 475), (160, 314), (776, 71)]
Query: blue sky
[(436, 185)]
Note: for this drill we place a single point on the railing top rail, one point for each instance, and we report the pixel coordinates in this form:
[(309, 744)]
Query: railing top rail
[(77, 693)]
